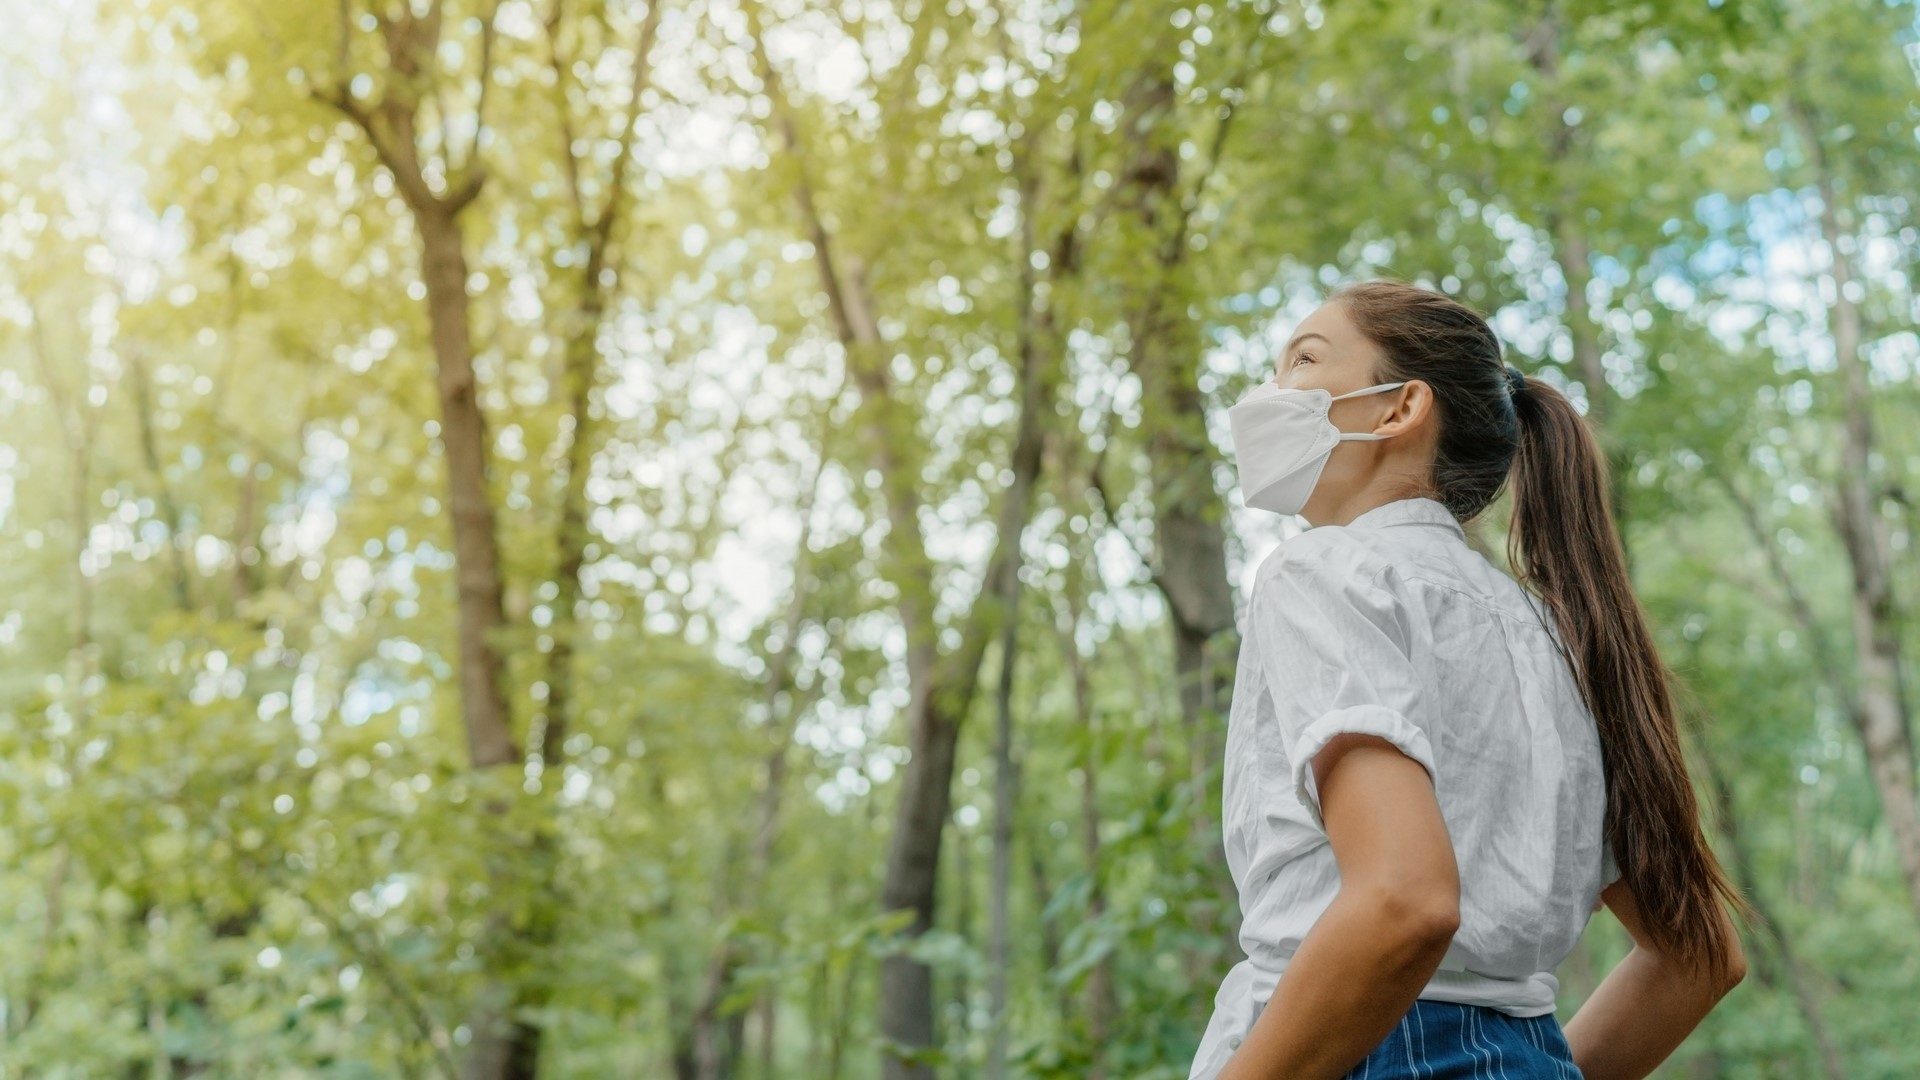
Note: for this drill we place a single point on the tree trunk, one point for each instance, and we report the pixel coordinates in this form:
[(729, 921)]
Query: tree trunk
[(78, 420), (960, 887), (598, 285), (680, 1053), (1188, 512), (246, 535), (498, 1051), (1006, 783), (570, 536), (411, 41), (766, 1013), (1042, 893), (716, 1054), (1099, 994), (476, 542), (1037, 383), (1882, 718), (1797, 980), (941, 687), (141, 382), (1574, 256), (838, 1007)]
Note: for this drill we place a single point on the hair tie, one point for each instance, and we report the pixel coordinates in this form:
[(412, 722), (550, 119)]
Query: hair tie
[(1516, 382)]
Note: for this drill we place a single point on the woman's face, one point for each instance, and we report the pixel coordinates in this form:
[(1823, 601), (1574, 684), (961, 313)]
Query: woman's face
[(1328, 352)]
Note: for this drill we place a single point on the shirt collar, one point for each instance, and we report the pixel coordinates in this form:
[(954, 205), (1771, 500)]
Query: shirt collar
[(1415, 510)]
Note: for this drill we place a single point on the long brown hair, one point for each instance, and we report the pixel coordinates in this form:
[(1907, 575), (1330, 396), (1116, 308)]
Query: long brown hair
[(1563, 548)]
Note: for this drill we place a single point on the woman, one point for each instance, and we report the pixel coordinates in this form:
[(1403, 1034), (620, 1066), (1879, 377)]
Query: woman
[(1430, 770)]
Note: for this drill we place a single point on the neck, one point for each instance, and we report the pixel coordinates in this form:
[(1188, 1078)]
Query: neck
[(1354, 505)]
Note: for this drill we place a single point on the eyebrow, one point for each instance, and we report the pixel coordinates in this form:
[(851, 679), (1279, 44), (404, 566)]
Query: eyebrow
[(1298, 340)]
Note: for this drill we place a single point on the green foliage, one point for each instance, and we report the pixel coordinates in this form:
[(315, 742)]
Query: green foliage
[(243, 836)]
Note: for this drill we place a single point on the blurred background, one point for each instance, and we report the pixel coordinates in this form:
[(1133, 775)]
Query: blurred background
[(587, 538)]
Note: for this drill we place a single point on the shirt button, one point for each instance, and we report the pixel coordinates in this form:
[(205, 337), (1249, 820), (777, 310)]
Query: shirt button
[(1233, 1043)]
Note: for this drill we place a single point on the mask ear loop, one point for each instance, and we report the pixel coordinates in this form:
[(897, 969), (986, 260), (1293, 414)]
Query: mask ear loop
[(1350, 436), (1371, 389)]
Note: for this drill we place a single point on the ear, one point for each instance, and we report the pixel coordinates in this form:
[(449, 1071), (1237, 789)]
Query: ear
[(1411, 407)]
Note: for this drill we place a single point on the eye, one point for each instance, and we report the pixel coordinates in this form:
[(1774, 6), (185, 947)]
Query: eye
[(1299, 357)]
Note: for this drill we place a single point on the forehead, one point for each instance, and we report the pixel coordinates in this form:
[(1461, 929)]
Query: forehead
[(1331, 322)]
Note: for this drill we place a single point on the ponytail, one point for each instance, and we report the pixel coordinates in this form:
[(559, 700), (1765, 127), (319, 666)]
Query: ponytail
[(1500, 430), (1562, 545)]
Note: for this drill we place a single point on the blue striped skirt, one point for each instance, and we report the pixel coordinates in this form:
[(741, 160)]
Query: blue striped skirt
[(1444, 1040)]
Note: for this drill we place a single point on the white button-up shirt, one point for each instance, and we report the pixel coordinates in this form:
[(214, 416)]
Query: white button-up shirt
[(1391, 625)]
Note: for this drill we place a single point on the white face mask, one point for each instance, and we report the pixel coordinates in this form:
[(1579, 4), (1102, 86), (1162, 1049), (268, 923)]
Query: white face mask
[(1282, 439)]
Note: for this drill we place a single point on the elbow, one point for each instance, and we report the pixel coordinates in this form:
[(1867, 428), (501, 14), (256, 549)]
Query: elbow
[(1424, 918), (1438, 924), (1728, 967), (1706, 980), (1735, 973)]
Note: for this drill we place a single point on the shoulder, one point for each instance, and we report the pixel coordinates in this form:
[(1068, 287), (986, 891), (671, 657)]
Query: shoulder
[(1329, 577), (1328, 560)]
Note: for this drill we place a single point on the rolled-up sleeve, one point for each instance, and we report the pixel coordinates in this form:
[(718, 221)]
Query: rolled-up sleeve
[(1337, 644)]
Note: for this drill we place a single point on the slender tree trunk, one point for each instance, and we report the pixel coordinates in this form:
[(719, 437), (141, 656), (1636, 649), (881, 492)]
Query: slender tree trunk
[(840, 1010), (1812, 863), (714, 1035), (679, 1016), (1882, 718), (78, 420), (1165, 356), (819, 1008), (717, 1055), (766, 1013), (1006, 784), (476, 540), (1574, 256), (581, 376), (411, 40), (941, 687), (1042, 886), (960, 876), (1099, 998), (246, 535), (1797, 980), (141, 381), (496, 1052), (597, 286), (167, 1064), (1036, 336), (1188, 512), (596, 289)]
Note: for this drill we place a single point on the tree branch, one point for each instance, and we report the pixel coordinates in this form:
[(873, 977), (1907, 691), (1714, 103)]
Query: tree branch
[(471, 160), (642, 77), (396, 986)]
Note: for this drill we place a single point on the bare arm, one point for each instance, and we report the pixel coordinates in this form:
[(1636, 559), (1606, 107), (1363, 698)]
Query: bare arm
[(1647, 1005), (1380, 941)]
